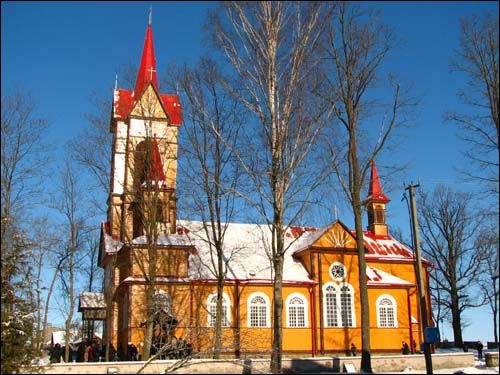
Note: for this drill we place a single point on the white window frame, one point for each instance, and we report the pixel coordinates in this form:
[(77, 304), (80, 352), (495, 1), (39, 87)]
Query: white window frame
[(336, 299), (268, 309), (395, 310), (306, 310), (353, 311), (226, 302)]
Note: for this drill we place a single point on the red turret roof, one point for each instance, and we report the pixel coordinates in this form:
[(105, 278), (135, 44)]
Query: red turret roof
[(375, 192), (147, 70), (155, 170)]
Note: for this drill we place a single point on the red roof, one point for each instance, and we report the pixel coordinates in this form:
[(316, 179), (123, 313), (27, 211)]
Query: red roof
[(375, 192), (147, 69), (124, 99), (155, 170)]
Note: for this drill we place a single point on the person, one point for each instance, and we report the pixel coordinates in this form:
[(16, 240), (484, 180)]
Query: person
[(405, 349), (89, 353), (466, 347), (479, 347), (86, 354), (132, 352), (414, 346), (56, 354), (353, 349)]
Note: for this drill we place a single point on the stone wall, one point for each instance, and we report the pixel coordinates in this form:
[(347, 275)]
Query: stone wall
[(256, 366), (401, 362)]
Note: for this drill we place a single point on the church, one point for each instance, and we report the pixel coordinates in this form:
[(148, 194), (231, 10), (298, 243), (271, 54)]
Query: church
[(321, 313)]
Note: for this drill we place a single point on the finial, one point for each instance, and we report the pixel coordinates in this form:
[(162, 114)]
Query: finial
[(116, 82), (150, 14)]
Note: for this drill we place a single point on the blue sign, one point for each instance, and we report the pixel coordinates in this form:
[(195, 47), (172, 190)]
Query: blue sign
[(431, 335)]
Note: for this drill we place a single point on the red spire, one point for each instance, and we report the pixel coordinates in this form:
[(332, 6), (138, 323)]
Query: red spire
[(147, 70), (375, 192), (155, 170)]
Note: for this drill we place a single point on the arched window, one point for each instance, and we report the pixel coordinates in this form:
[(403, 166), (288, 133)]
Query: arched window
[(387, 311), (330, 305), (212, 309), (347, 305), (141, 159), (296, 307), (258, 310)]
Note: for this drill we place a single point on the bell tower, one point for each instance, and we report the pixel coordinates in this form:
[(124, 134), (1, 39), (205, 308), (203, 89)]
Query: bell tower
[(375, 205), (145, 125)]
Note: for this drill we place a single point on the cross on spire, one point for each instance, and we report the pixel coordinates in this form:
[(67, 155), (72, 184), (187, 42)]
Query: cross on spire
[(151, 70)]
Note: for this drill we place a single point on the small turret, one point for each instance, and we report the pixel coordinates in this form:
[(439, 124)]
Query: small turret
[(375, 205)]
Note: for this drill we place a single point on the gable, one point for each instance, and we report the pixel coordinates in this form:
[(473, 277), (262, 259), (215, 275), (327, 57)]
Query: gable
[(149, 105), (337, 236)]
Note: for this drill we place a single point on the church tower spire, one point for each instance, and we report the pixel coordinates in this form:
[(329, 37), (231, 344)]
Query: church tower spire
[(145, 125), (147, 69), (375, 204)]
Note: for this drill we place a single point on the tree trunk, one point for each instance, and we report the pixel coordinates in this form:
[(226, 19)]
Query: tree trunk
[(71, 307), (277, 346), (456, 322), (495, 326), (47, 301), (363, 292), (218, 318), (149, 320)]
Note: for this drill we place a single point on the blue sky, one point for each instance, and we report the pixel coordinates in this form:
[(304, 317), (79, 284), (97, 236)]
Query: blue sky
[(64, 51)]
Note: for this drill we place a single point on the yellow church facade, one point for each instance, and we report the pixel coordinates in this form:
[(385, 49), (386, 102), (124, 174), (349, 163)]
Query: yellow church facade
[(321, 312)]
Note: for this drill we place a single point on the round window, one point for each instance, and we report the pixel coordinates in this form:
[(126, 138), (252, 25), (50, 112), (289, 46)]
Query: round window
[(337, 271)]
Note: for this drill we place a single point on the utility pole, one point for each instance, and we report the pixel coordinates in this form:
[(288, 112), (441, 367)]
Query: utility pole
[(420, 281)]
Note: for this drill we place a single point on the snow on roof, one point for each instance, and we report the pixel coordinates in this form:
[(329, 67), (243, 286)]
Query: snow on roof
[(91, 300), (110, 244), (378, 277), (386, 247), (59, 337), (246, 250), (170, 240)]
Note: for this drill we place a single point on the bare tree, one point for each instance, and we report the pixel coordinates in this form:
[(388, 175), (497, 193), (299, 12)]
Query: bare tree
[(272, 48), (89, 263), (214, 120), (69, 205), (23, 161), (151, 194), (450, 231), (44, 242), (356, 46), (488, 244), (91, 148), (478, 59)]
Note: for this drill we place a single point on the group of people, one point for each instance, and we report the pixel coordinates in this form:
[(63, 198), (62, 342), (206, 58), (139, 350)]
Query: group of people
[(56, 353), (174, 349), (405, 348), (89, 352)]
